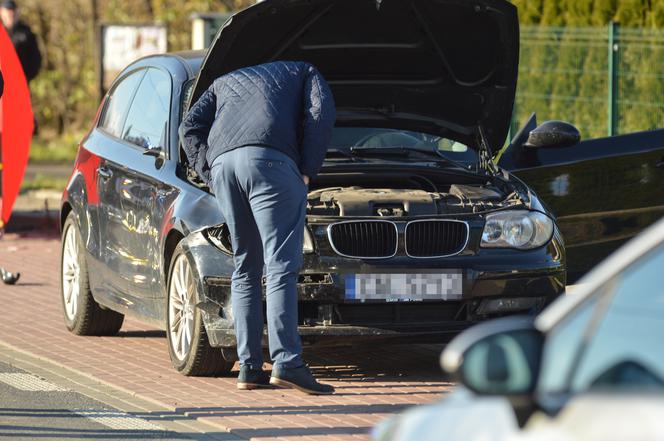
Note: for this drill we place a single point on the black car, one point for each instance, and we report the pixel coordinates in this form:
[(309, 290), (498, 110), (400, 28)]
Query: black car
[(413, 228)]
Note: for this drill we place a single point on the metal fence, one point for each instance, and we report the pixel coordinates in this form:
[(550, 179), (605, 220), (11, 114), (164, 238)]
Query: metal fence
[(604, 80)]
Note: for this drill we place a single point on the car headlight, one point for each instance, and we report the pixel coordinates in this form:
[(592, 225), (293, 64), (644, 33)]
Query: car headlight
[(519, 229), (308, 245)]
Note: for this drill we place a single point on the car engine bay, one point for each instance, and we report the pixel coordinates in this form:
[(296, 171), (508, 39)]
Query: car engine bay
[(422, 197)]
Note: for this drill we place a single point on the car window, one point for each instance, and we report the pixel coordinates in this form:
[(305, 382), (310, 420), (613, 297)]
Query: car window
[(147, 118), (563, 344), (627, 349), (118, 102)]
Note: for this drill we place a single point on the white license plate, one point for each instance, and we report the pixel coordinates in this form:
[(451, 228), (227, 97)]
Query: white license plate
[(405, 287)]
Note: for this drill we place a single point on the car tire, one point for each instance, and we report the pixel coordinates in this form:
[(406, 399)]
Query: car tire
[(83, 315), (188, 344)]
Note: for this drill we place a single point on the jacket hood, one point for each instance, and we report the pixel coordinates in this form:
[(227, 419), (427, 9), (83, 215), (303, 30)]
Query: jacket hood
[(444, 67)]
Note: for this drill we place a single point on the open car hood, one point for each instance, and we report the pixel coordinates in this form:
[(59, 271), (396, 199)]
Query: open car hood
[(438, 66)]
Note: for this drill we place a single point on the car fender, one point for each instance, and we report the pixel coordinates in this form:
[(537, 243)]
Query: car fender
[(185, 209), (76, 195), (196, 209), (211, 268)]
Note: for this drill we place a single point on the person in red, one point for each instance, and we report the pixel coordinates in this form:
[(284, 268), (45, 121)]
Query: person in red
[(20, 60), (7, 277)]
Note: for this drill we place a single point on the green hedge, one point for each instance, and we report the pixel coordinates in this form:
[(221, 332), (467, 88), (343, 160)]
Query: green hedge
[(564, 69)]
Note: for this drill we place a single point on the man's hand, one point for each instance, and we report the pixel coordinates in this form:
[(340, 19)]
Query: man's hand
[(305, 178)]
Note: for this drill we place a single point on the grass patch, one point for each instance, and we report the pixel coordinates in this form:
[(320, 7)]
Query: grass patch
[(44, 182), (47, 149)]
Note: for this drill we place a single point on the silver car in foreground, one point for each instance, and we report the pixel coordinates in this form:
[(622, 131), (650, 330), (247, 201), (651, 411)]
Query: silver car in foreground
[(590, 367)]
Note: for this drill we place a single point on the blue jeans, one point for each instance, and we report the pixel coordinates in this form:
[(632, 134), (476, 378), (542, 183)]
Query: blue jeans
[(263, 199)]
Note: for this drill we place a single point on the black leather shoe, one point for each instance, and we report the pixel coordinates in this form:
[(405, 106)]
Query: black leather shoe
[(301, 379), (252, 378), (9, 278)]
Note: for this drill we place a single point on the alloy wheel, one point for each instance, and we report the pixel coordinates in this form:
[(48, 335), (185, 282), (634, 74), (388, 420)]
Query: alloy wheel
[(181, 306), (71, 273)]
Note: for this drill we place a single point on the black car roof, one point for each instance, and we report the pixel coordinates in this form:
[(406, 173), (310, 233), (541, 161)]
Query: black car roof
[(193, 59)]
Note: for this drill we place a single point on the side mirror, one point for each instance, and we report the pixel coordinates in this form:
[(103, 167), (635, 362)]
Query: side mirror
[(500, 357), (552, 134)]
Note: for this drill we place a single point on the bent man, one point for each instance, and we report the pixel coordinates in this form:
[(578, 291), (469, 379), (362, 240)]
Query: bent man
[(257, 136)]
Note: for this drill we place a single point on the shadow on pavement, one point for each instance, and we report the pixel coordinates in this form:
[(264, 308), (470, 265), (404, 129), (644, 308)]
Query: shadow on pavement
[(360, 363), (377, 363), (142, 334)]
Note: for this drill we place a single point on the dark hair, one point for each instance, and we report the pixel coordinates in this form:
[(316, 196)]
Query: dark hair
[(9, 4)]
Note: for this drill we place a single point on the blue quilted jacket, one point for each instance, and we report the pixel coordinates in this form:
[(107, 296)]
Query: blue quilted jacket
[(284, 105)]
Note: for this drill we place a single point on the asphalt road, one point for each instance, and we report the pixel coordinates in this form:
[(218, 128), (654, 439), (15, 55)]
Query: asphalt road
[(33, 408)]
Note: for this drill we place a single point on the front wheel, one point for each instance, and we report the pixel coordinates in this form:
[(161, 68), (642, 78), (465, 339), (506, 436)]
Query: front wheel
[(188, 344), (83, 315)]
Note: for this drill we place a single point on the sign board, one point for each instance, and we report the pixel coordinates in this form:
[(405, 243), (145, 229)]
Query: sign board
[(122, 44)]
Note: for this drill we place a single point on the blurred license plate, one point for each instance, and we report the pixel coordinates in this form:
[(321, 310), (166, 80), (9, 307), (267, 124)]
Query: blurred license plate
[(404, 287)]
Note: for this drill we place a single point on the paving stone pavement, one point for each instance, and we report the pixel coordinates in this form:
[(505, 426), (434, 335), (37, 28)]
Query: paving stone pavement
[(372, 382)]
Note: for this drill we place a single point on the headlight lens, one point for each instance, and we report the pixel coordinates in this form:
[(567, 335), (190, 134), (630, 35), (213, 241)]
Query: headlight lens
[(519, 229)]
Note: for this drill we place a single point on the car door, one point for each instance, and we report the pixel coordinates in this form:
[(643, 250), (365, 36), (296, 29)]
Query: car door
[(603, 191), (105, 278), (139, 181)]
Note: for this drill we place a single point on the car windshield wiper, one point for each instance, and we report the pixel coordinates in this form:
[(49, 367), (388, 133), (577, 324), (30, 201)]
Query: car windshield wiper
[(403, 152), (344, 153)]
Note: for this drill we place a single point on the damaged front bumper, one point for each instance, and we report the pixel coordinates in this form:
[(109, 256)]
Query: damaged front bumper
[(491, 287)]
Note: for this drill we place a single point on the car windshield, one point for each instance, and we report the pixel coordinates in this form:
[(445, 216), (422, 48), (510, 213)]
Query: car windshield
[(346, 138)]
